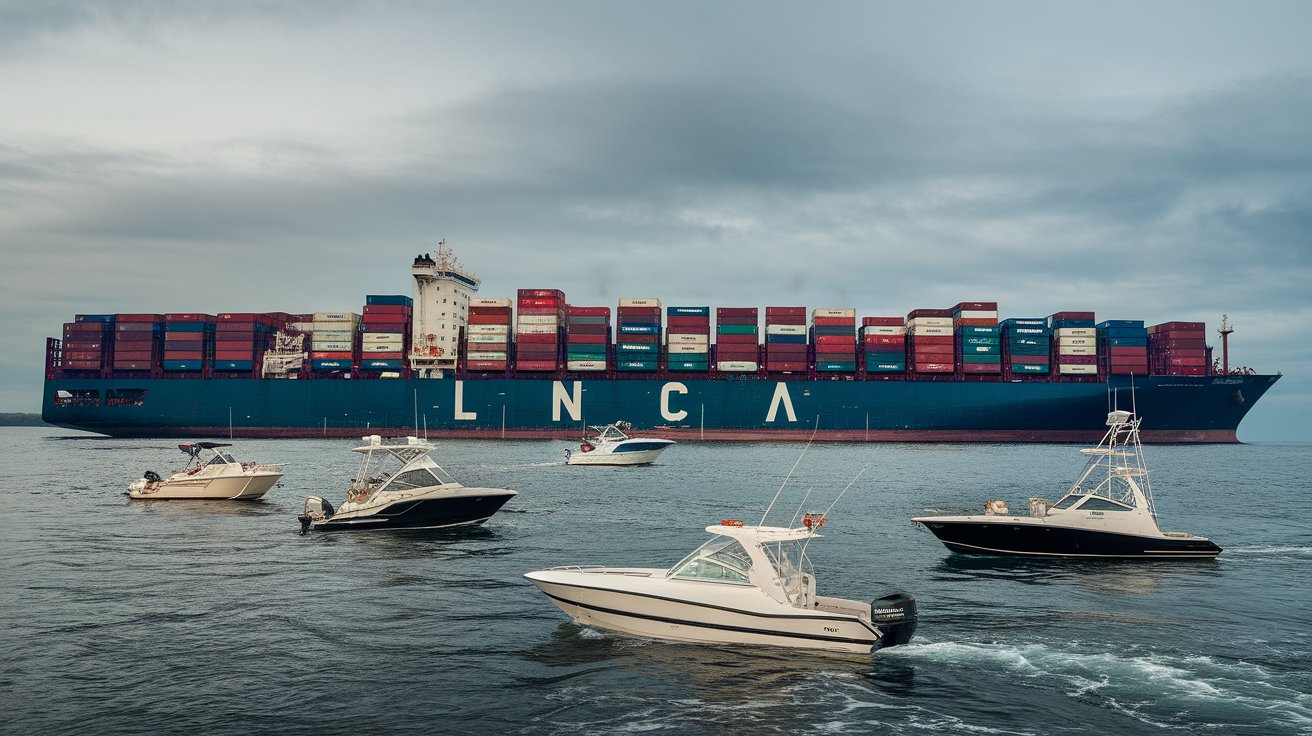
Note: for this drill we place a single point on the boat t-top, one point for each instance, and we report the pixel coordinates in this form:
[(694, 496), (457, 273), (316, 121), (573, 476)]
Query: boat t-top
[(747, 585), (609, 445), (399, 486), (1108, 512), (210, 473)]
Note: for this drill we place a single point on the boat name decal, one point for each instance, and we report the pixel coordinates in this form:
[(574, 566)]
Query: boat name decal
[(781, 397), (666, 390)]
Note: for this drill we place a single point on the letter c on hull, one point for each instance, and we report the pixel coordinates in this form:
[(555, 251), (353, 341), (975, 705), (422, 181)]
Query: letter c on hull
[(666, 390)]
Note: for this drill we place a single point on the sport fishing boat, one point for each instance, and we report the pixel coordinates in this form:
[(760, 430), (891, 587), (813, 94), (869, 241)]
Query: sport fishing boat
[(609, 445), (399, 486), (1108, 512), (210, 473), (746, 585)]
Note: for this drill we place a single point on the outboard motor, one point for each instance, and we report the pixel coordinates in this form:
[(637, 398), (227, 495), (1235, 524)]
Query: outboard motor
[(316, 509), (895, 617)]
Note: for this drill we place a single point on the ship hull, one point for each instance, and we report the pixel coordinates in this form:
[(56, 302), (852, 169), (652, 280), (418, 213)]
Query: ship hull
[(1187, 409), (1003, 537)]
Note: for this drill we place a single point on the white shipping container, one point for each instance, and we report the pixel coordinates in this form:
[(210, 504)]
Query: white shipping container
[(485, 356), (585, 365), (336, 317), (335, 331), (1076, 332), (677, 338), (785, 329), (538, 319), (536, 330), (930, 330), (379, 347), (639, 302), (883, 330), (929, 322), (488, 329), (300, 326), (736, 366), (485, 338), (977, 314), (334, 347), (1077, 350), (834, 312), (488, 301), (687, 349), (1065, 341), (382, 337), (1078, 370)]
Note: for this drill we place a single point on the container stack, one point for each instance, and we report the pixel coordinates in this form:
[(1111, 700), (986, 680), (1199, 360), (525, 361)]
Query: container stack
[(538, 326), (240, 339), (138, 341), (929, 346), (333, 342), (785, 340), (834, 338), (1123, 347), (1178, 349), (385, 335), (1026, 347), (87, 341), (587, 333), (1074, 343), (487, 335), (188, 342), (885, 343), (737, 340), (688, 338), (978, 338), (638, 334)]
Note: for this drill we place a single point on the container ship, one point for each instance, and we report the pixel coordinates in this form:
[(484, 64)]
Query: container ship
[(444, 361)]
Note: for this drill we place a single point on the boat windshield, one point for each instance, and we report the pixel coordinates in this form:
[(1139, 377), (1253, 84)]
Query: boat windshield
[(721, 560), (222, 458), (787, 559)]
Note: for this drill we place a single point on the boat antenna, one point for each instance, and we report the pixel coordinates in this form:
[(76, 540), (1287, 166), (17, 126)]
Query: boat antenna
[(831, 506), (790, 471), (1133, 408), (799, 508)]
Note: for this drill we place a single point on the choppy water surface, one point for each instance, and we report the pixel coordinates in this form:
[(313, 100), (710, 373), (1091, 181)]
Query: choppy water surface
[(171, 617)]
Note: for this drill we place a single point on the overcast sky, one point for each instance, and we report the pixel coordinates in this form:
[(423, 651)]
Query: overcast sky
[(1142, 160)]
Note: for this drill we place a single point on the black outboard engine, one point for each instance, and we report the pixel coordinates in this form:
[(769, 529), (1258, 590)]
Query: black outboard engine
[(895, 617), (151, 476)]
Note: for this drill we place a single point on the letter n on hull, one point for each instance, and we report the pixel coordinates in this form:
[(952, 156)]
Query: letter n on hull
[(561, 399)]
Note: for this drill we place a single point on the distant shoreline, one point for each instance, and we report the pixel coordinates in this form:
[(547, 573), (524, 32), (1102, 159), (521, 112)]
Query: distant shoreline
[(21, 420)]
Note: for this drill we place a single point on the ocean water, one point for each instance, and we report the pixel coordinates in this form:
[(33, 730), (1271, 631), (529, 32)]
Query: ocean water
[(121, 616)]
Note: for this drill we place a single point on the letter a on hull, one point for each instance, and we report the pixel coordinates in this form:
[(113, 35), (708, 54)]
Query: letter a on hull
[(781, 397)]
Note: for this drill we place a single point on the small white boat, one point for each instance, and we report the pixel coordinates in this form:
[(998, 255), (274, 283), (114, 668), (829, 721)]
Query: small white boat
[(210, 473), (609, 445), (1108, 512), (399, 486), (747, 585)]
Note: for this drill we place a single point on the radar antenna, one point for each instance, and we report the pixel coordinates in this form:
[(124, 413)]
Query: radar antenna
[(1226, 329)]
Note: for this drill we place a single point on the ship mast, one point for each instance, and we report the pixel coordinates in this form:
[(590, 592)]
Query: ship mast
[(1226, 329)]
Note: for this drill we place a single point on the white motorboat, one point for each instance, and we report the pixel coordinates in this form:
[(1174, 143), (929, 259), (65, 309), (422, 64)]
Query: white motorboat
[(609, 445), (210, 473), (747, 585), (1108, 512), (399, 486)]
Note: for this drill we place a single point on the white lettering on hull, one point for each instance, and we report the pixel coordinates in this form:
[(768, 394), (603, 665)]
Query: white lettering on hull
[(781, 397), (666, 390), (461, 414), (571, 403)]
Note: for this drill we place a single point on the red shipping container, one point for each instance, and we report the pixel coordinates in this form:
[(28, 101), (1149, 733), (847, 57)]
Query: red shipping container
[(785, 320), (588, 311), (84, 347), (486, 347), (736, 312), (139, 318), (1178, 344), (91, 327), (975, 322), (1174, 361), (578, 339), (82, 355), (639, 312), (1182, 326), (1072, 315), (936, 350), (933, 368), (1077, 359), (981, 367), (486, 365), (929, 313), (919, 340), (774, 348), (542, 311), (196, 345), (1187, 370), (686, 330), (536, 365), (733, 319), (785, 365), (490, 310), (848, 341), (1030, 359), (1118, 350), (188, 317), (236, 326), (736, 339), (246, 354), (834, 321), (133, 365), (388, 309), (82, 365), (182, 355), (385, 319), (882, 321), (592, 330), (684, 320), (976, 307), (322, 355), (534, 302), (540, 293), (890, 340), (489, 319), (638, 338), (785, 312), (835, 356), (547, 339)]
